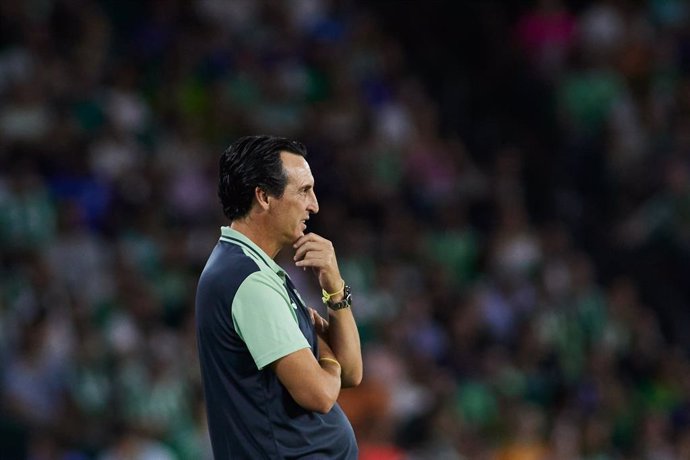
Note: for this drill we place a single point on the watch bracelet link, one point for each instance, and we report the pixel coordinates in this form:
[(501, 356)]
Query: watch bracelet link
[(346, 301)]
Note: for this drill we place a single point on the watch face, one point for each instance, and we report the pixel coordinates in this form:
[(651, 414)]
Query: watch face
[(348, 294)]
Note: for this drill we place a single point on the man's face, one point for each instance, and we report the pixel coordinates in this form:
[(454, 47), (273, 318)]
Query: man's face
[(291, 211)]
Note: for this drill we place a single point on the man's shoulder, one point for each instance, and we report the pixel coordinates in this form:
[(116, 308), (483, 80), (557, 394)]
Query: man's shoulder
[(229, 265)]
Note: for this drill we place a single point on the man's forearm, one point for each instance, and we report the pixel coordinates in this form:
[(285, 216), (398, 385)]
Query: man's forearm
[(343, 338)]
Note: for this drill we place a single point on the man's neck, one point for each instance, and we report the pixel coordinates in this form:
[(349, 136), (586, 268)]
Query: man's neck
[(253, 231)]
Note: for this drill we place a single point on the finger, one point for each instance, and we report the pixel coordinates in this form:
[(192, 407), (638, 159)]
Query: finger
[(324, 323), (320, 262), (318, 317), (313, 242), (314, 262), (313, 315), (305, 248), (305, 238), (321, 325)]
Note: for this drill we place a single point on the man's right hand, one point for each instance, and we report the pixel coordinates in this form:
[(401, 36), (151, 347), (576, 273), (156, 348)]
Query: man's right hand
[(320, 324)]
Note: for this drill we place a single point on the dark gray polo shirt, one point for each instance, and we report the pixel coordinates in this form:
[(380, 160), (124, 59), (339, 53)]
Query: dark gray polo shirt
[(248, 315)]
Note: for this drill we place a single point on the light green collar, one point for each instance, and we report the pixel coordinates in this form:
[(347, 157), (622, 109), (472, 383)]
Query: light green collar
[(233, 236)]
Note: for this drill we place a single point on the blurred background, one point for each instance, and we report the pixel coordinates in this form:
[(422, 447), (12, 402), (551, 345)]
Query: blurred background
[(507, 184)]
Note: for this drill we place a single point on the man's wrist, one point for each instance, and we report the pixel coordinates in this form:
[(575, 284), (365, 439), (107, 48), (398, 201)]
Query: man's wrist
[(345, 300), (335, 296)]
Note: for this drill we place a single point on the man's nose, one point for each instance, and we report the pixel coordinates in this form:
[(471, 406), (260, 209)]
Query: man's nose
[(313, 206)]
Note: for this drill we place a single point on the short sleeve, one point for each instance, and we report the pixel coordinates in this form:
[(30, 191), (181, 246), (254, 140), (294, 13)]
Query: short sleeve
[(266, 320)]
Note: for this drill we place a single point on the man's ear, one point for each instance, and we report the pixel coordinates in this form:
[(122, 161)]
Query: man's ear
[(261, 197)]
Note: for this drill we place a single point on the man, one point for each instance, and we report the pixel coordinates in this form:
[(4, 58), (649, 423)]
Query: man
[(272, 368)]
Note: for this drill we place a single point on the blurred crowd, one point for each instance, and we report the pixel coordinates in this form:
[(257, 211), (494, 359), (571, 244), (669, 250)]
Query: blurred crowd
[(517, 234)]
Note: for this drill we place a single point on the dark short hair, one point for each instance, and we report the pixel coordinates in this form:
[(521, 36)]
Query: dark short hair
[(250, 162)]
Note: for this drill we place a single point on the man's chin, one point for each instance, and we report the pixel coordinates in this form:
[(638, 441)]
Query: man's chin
[(296, 236)]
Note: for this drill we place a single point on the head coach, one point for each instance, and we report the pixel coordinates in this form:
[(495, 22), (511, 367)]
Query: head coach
[(272, 368)]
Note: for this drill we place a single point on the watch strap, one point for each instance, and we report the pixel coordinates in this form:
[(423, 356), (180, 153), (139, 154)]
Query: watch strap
[(346, 301)]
